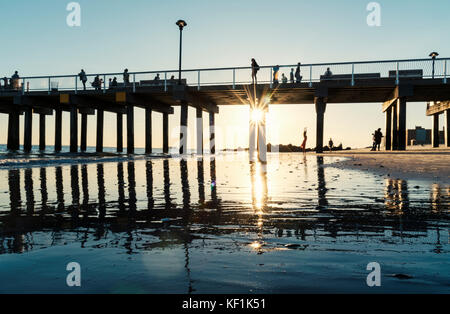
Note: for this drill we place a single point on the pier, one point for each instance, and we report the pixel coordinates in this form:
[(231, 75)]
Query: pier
[(392, 83)]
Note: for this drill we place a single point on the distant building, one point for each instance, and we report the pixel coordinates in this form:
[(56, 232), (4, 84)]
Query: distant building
[(421, 136)]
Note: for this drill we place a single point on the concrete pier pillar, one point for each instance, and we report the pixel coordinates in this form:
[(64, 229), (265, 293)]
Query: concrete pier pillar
[(447, 128), (58, 129), (252, 134), (119, 132), (73, 129), (435, 131), (148, 131), (199, 129), (130, 129), (212, 134), (394, 133), (42, 132), (28, 129), (100, 119), (388, 133), (320, 112), (83, 141), (13, 131), (262, 143), (165, 133), (401, 123), (183, 128)]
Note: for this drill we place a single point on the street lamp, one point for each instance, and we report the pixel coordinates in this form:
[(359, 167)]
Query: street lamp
[(181, 24), (433, 56)]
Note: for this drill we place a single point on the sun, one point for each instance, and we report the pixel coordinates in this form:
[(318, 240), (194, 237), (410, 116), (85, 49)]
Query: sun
[(257, 115)]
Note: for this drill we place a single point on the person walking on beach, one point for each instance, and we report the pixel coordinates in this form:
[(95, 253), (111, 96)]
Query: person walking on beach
[(331, 144), (378, 136), (126, 77), (83, 78), (305, 137), (255, 69), (298, 77)]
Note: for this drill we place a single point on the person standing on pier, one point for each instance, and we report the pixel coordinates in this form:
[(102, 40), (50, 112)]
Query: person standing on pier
[(305, 137), (291, 78), (15, 80), (126, 77), (83, 78), (255, 69), (276, 71), (331, 144), (298, 77)]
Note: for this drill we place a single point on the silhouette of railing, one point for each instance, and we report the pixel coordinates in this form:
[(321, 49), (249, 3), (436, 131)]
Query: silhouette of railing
[(352, 72)]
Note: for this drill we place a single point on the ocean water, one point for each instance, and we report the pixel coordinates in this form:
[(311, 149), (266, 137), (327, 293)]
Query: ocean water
[(150, 224)]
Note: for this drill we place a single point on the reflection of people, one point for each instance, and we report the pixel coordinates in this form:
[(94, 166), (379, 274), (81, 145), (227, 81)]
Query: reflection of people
[(305, 137), (255, 69)]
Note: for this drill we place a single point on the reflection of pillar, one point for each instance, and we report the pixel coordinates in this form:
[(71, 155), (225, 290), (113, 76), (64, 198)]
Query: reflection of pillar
[(185, 184), (320, 114), (119, 132), (199, 129), (262, 145), (28, 128), (101, 190), (58, 129), (212, 134), (435, 130), (100, 119), (74, 183), (258, 173), (121, 187), (14, 190), (84, 185), (149, 177), (394, 136), (59, 188), (165, 133), (73, 129), (42, 132), (44, 193), (167, 184), (401, 122), (212, 165), (83, 140), (447, 128), (29, 190), (201, 181), (183, 128), (148, 130), (388, 134), (322, 189), (130, 129), (132, 200)]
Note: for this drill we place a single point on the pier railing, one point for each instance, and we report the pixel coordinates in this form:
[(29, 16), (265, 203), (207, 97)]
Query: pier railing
[(353, 72)]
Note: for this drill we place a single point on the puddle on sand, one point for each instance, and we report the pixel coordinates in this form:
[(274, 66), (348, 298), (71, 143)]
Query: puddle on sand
[(221, 226)]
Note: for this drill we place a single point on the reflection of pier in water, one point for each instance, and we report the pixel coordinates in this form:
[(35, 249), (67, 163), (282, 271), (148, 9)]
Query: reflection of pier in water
[(36, 209)]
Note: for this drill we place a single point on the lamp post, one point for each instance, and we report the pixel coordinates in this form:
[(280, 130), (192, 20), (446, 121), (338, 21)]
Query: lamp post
[(181, 24), (433, 56)]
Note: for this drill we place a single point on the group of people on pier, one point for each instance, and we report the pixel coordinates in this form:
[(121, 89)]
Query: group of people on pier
[(11, 83)]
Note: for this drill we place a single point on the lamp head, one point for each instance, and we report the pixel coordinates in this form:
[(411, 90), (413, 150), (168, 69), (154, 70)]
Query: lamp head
[(434, 54), (181, 24)]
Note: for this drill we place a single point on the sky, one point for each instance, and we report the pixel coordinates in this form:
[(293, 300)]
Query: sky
[(141, 35)]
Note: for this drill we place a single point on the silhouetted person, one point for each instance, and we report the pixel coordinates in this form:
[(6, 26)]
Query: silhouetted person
[(83, 78), (157, 78), (126, 77), (330, 144), (276, 71), (114, 82), (305, 138), (328, 74), (110, 83), (5, 81), (255, 69), (291, 78), (97, 83), (284, 79), (377, 137), (15, 80), (298, 77)]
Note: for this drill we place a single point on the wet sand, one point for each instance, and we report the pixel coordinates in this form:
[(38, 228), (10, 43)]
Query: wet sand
[(418, 164)]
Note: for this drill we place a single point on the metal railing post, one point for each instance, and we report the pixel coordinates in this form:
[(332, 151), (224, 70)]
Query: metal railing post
[(397, 80), (165, 81), (134, 82), (234, 78), (49, 88), (310, 76), (445, 71), (76, 84), (271, 74), (23, 86), (198, 81), (353, 74), (104, 83)]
